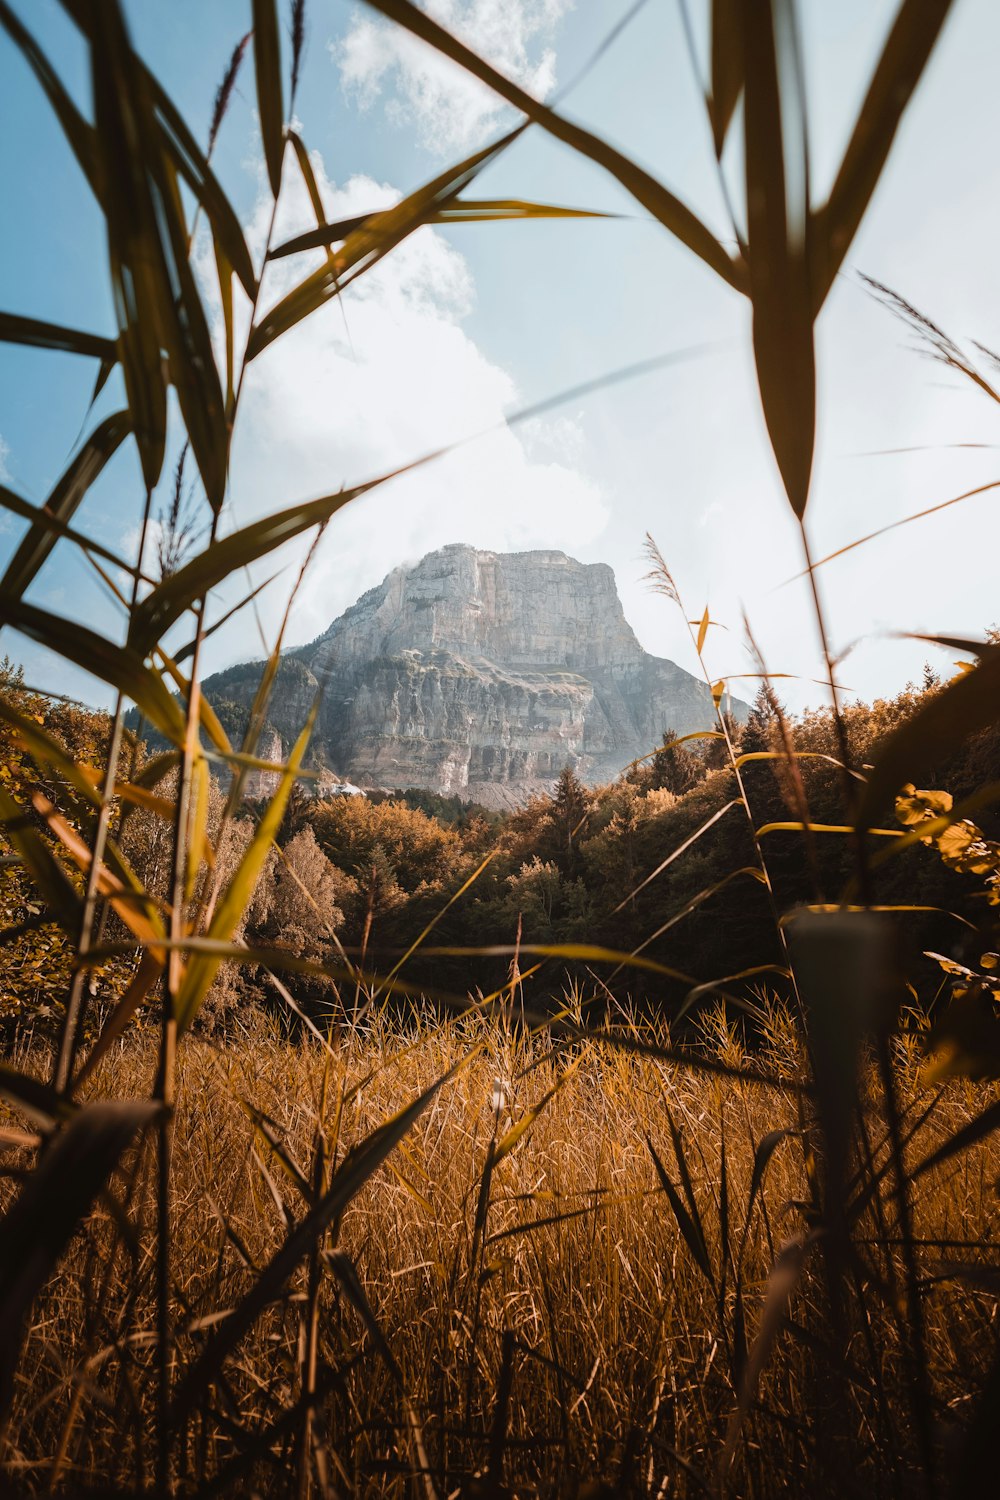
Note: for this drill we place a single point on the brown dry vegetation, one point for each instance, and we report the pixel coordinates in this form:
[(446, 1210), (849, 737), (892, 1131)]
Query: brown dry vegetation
[(576, 1337)]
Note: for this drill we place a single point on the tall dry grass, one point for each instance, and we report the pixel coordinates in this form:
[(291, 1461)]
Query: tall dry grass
[(573, 1342)]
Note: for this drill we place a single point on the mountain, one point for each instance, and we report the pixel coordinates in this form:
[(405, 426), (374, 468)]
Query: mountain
[(481, 674)]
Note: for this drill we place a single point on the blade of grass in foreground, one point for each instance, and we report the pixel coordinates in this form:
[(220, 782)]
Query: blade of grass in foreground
[(49, 1207)]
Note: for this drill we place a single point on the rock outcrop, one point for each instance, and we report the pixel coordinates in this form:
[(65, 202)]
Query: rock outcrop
[(481, 674)]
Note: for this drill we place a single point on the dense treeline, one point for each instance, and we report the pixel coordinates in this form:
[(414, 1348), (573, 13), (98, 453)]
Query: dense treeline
[(365, 876)]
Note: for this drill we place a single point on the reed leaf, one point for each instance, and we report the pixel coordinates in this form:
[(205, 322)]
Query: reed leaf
[(777, 190), (165, 604), (119, 665), (653, 195), (50, 879), (15, 329), (909, 45), (202, 968), (367, 244), (37, 1099), (41, 518), (726, 68), (270, 102), (78, 132), (461, 211), (47, 1212), (156, 299), (63, 502)]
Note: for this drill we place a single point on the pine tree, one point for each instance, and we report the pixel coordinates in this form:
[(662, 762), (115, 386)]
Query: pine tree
[(674, 768), (759, 727), (570, 805)]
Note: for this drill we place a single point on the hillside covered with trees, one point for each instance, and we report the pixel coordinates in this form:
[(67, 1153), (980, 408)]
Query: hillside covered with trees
[(660, 863)]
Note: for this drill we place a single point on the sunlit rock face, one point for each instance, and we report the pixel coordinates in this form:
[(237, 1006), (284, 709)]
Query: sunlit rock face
[(484, 674)]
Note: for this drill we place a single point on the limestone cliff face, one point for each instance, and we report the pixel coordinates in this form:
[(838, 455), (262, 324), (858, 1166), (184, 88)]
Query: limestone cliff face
[(483, 674)]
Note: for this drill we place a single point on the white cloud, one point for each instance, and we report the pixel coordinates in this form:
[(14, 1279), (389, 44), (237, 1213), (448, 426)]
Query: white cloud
[(451, 110), (384, 377), (5, 474)]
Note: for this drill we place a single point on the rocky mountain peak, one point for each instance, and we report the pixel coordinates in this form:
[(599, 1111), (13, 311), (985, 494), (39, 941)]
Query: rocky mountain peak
[(522, 609), (482, 674)]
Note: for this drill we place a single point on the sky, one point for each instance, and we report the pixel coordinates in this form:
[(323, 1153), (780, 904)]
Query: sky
[(461, 327)]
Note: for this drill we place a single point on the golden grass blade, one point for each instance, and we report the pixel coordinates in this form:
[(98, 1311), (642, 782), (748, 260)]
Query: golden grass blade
[(584, 953), (271, 1136), (460, 211), (955, 643), (653, 195), (918, 515), (753, 871), (909, 45), (940, 725), (831, 760), (346, 1273), (119, 665), (976, 1130), (430, 926), (153, 772), (50, 879), (897, 906), (155, 614), (186, 652), (521, 1127), (64, 500), (312, 187), (202, 968), (139, 276), (777, 189), (198, 844), (207, 716), (690, 1228), (799, 827), (781, 1284), (224, 271), (366, 245), (676, 853), (120, 886), (719, 987), (270, 102)]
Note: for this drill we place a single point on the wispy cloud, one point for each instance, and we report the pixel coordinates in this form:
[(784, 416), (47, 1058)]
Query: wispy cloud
[(5, 474), (451, 110)]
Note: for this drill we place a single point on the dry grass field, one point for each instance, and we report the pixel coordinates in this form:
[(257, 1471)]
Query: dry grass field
[(514, 1295)]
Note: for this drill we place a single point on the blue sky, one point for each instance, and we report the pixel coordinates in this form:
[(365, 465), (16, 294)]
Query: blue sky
[(464, 325)]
